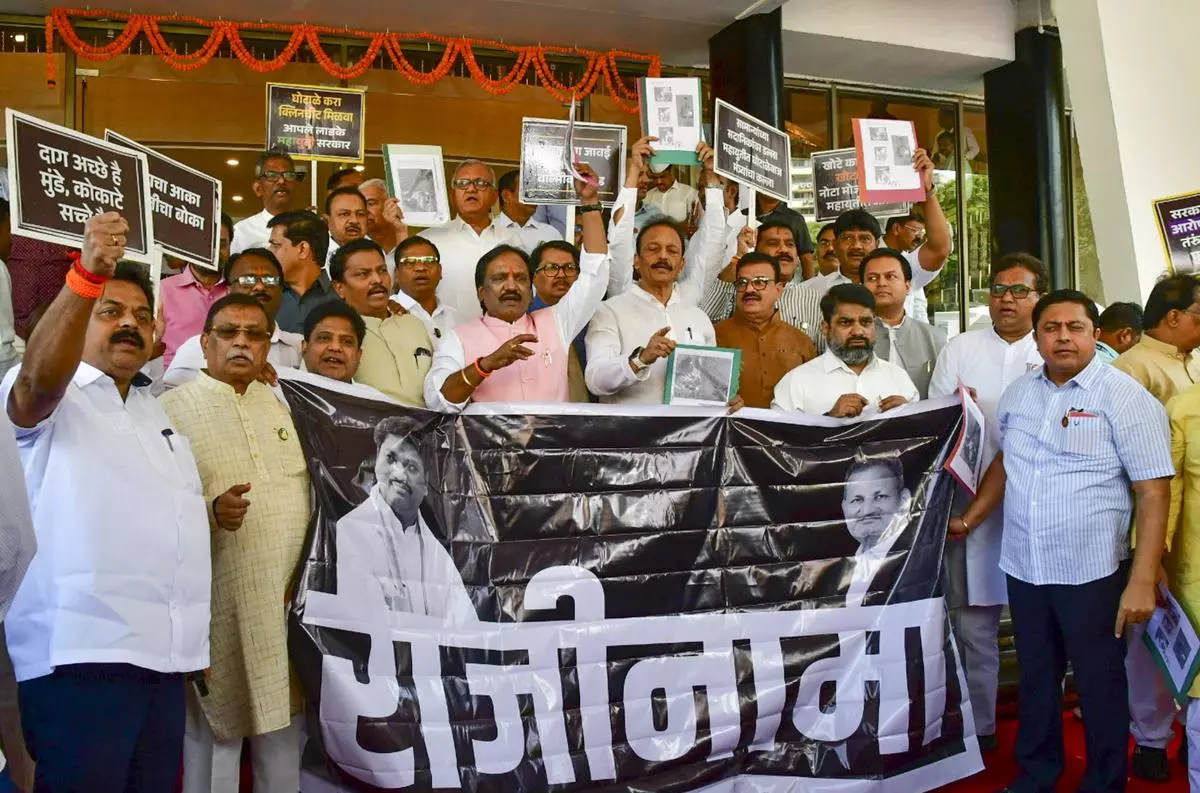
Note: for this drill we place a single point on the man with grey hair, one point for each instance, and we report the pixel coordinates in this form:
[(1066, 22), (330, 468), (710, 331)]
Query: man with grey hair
[(275, 178), (379, 228), (472, 233)]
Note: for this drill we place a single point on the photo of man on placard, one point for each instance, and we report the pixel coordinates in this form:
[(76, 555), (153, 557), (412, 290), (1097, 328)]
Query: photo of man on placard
[(875, 505)]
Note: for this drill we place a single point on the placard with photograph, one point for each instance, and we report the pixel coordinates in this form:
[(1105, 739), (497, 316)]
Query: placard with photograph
[(670, 108), (1173, 645), (315, 122), (416, 176), (835, 187), (185, 206), (545, 178), (703, 376), (750, 151), (965, 462), (58, 178), (1178, 219), (885, 151)]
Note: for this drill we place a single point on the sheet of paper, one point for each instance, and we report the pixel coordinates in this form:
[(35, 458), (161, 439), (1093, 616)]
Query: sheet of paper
[(1173, 644), (885, 161), (966, 460), (671, 112)]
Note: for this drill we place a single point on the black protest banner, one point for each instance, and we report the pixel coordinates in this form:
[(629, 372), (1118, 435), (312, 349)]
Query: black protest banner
[(1179, 227), (528, 600), (545, 178), (185, 206), (58, 178), (315, 122), (751, 152), (835, 186)]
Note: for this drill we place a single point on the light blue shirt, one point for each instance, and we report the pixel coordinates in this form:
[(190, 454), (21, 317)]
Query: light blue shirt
[(1105, 353), (1067, 503)]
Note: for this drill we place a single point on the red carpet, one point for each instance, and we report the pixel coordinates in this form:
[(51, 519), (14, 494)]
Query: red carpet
[(1002, 769)]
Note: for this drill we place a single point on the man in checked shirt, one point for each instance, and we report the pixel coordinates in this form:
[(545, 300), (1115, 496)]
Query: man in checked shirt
[(1076, 436)]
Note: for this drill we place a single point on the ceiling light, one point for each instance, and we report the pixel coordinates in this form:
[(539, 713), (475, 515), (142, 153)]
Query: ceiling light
[(235, 198), (231, 161), (360, 168), (19, 38)]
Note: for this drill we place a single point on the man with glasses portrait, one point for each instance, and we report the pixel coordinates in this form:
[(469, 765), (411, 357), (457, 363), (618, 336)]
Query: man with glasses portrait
[(770, 347), (471, 234), (555, 271), (275, 179), (257, 273), (418, 267)]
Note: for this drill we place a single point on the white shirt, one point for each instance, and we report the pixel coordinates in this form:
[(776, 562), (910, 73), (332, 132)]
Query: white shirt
[(626, 322), (532, 234), (461, 249), (17, 541), (8, 333), (677, 202), (189, 358), (122, 573), (815, 386), (571, 314), (894, 355), (703, 256), (915, 305), (438, 325), (984, 361), (251, 232)]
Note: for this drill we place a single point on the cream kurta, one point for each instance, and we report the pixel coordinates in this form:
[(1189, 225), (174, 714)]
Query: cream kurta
[(235, 440), (396, 356)]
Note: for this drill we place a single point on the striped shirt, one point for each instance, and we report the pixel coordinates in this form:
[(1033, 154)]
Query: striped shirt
[(1067, 503)]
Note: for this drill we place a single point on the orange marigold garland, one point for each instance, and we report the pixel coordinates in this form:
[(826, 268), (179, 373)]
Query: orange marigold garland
[(599, 64)]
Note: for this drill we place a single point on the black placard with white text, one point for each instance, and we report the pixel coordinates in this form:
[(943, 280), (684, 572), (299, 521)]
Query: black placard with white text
[(751, 152), (315, 122)]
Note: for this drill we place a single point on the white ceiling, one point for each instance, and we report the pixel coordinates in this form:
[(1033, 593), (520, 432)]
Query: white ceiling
[(678, 30)]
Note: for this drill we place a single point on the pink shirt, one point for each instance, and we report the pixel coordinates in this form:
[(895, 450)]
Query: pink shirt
[(542, 378), (185, 304)]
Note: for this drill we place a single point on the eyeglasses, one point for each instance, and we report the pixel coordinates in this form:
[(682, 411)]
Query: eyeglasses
[(274, 176), (759, 282), (558, 269), (231, 332), (414, 261), (1018, 291), (250, 280), (480, 183)]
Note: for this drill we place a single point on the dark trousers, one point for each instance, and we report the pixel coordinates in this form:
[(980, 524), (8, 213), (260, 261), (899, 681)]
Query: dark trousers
[(1053, 625), (104, 728)]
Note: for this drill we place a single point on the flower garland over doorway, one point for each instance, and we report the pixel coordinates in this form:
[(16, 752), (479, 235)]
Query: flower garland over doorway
[(600, 65)]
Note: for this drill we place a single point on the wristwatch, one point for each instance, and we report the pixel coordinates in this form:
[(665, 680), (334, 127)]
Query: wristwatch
[(636, 360), (583, 209)]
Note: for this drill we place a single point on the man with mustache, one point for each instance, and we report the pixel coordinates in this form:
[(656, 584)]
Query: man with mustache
[(397, 351), (987, 361), (511, 354), (827, 260), (275, 177), (299, 241), (114, 611), (469, 236), (384, 546), (772, 210), (346, 215), (255, 477), (912, 345), (257, 273), (518, 217), (848, 380), (418, 273), (1081, 443), (770, 347)]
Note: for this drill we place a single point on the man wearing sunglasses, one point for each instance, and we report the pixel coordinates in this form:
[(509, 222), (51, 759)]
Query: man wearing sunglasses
[(472, 233), (255, 482), (275, 178), (987, 361), (770, 347), (418, 266), (257, 273)]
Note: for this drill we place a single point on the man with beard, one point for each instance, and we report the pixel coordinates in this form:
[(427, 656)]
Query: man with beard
[(511, 354), (275, 178), (827, 260), (397, 352), (469, 236), (384, 547), (346, 216), (987, 361), (299, 240), (114, 610), (770, 347), (255, 272), (912, 345), (848, 380), (254, 475), (185, 299), (418, 273)]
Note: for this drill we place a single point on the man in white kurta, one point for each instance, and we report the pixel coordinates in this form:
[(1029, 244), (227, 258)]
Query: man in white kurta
[(987, 361)]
